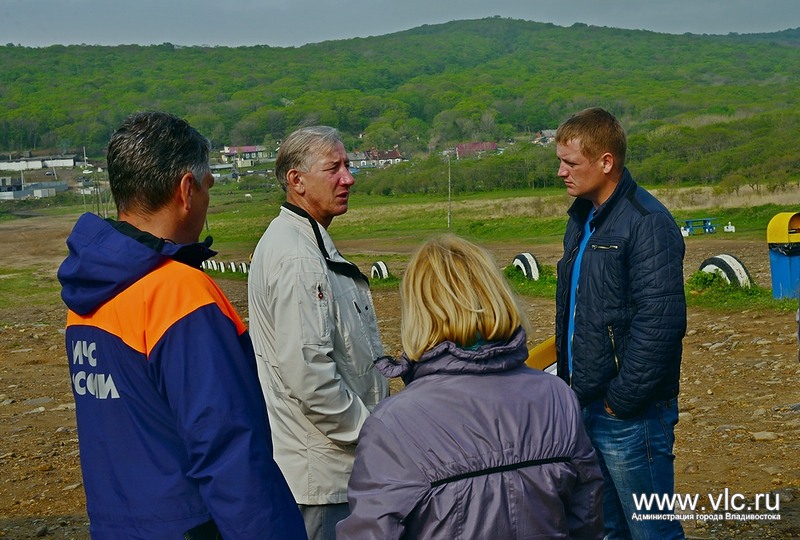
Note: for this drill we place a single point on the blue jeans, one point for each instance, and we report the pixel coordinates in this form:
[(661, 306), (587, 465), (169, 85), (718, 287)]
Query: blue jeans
[(636, 458)]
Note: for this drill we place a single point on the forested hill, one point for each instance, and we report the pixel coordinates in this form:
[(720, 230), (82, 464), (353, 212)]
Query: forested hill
[(422, 89)]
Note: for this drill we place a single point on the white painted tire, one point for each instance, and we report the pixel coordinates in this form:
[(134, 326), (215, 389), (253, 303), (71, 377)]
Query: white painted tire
[(730, 268), (379, 270), (243, 267), (528, 264)]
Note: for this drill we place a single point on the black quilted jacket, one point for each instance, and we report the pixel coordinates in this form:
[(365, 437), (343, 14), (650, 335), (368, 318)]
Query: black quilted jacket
[(630, 315)]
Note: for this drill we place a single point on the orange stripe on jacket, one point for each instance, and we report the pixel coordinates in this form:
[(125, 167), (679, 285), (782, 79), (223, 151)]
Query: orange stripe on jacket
[(141, 314)]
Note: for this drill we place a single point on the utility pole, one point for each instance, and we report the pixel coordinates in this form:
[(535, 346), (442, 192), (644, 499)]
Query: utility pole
[(449, 194)]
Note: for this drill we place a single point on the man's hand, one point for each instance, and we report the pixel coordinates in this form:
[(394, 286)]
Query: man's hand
[(608, 409)]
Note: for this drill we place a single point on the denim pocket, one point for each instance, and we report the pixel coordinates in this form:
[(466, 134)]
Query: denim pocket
[(668, 416)]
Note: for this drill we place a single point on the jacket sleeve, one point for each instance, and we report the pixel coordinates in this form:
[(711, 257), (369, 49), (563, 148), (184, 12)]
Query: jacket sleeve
[(205, 368), (585, 508), (654, 347), (384, 488), (303, 303)]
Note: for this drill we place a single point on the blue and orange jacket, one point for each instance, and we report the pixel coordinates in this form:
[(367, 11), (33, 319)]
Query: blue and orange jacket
[(172, 425)]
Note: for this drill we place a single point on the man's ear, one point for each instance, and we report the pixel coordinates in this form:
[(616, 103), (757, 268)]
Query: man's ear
[(607, 161), (294, 182), (186, 189)]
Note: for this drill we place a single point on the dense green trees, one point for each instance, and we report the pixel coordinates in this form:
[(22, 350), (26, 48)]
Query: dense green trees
[(706, 109)]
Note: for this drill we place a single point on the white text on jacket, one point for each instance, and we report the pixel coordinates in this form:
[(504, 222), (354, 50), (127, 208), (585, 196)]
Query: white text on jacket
[(99, 385)]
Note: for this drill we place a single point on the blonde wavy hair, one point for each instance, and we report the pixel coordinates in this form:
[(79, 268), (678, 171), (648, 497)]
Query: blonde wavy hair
[(453, 290)]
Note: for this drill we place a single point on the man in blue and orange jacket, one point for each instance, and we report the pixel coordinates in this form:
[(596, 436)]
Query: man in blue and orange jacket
[(173, 430)]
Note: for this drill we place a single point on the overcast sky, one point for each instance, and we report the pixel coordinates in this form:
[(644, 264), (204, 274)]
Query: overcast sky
[(282, 23)]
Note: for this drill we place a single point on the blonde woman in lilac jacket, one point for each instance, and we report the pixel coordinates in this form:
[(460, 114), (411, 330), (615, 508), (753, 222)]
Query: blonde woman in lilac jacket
[(477, 445)]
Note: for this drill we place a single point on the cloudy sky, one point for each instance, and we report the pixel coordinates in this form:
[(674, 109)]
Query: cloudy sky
[(282, 23)]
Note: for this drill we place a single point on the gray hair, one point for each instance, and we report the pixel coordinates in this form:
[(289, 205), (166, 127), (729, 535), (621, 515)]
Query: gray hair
[(147, 157), (301, 146)]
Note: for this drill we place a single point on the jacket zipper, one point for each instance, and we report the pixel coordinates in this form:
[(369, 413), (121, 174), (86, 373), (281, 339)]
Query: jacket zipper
[(613, 346), (603, 247)]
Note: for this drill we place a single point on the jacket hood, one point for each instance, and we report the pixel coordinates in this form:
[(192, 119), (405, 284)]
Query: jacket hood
[(106, 257), (447, 357)]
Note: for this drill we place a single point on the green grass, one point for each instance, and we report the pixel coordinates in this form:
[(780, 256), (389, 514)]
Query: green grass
[(711, 291), (391, 282), (403, 222), (530, 216), (544, 287), (703, 289), (524, 216), (230, 276), (29, 286)]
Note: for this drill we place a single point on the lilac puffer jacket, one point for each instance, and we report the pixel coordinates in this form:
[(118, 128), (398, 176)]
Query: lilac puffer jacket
[(476, 446)]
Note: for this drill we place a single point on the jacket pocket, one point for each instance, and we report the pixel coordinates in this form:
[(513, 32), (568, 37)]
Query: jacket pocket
[(314, 309), (358, 325), (608, 278), (614, 353)]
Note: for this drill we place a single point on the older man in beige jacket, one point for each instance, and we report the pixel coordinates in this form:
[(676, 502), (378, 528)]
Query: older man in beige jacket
[(314, 330)]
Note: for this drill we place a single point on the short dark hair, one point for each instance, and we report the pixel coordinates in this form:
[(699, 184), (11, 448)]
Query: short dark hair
[(147, 157), (598, 131)]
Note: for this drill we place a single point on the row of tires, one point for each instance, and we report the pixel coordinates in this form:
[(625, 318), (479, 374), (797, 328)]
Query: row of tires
[(218, 266), (728, 266), (526, 262)]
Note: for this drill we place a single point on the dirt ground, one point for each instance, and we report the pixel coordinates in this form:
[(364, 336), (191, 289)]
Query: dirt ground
[(738, 437)]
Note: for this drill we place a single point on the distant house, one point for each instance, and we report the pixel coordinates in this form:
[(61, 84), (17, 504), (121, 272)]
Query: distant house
[(36, 163), (474, 148), (59, 161), (222, 171), (375, 158), (10, 184), (243, 156), (544, 137), (16, 188)]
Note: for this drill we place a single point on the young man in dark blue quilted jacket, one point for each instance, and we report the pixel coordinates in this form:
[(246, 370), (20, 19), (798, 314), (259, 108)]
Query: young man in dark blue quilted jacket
[(620, 320)]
